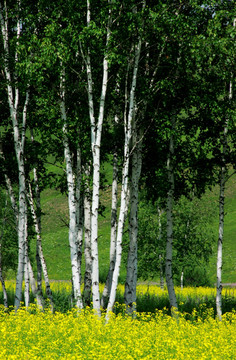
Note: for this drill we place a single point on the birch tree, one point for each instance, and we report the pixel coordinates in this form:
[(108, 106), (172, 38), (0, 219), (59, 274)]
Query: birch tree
[(96, 134), (3, 227), (73, 204), (29, 276), (87, 237), (223, 175), (39, 252), (169, 217), (132, 261), (125, 173), (114, 195), (16, 99), (221, 227)]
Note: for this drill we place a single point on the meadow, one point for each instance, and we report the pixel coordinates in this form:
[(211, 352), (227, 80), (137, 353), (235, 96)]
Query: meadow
[(150, 334)]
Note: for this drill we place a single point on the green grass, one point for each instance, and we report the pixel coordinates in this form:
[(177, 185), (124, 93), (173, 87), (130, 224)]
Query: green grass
[(55, 233)]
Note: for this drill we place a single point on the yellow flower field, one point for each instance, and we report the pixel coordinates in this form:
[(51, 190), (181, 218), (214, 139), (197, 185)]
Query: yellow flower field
[(37, 335), (32, 334)]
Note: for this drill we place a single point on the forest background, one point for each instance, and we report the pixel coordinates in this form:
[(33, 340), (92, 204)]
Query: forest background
[(122, 102)]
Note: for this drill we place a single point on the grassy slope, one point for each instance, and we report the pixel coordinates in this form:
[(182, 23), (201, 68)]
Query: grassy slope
[(55, 233)]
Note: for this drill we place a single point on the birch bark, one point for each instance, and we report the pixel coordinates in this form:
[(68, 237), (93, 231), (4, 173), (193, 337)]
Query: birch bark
[(40, 253), (221, 213), (13, 94), (37, 221), (5, 298), (107, 287), (132, 262), (37, 295), (169, 216), (29, 276), (26, 271), (125, 173), (79, 209), (73, 226), (96, 133), (87, 238), (221, 231), (160, 212)]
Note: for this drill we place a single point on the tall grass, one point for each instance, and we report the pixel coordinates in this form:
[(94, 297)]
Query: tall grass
[(150, 298)]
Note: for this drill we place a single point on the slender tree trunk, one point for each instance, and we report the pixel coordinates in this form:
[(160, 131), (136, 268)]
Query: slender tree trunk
[(221, 227), (21, 238), (22, 213), (19, 141), (160, 212), (125, 173), (132, 262), (79, 210), (107, 287), (36, 293), (169, 216), (26, 271), (87, 238), (220, 244), (73, 226), (96, 133), (5, 299), (37, 222), (221, 212), (40, 252), (87, 251)]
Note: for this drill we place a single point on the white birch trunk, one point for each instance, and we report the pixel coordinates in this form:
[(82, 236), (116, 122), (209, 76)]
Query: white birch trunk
[(220, 244), (96, 133), (73, 226), (87, 239), (160, 256), (169, 238), (132, 262), (37, 221), (221, 214), (34, 289), (79, 210), (40, 252), (125, 173), (5, 299), (107, 287), (21, 233), (19, 140), (26, 271)]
